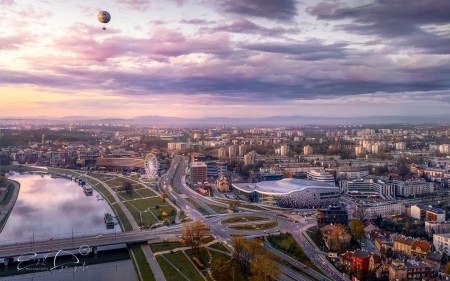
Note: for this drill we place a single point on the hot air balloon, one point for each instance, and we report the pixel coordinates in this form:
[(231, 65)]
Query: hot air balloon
[(103, 17)]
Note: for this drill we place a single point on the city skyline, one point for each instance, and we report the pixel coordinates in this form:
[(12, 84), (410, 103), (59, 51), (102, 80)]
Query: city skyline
[(236, 59)]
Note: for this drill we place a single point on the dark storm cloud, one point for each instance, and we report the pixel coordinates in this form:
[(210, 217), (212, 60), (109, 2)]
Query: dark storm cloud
[(284, 10), (249, 27), (305, 51), (401, 22), (284, 79)]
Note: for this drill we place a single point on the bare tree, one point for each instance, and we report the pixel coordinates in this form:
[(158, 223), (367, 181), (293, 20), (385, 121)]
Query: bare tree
[(360, 212), (192, 234), (234, 204)]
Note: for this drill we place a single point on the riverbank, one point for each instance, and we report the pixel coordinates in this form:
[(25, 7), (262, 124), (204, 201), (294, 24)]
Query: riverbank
[(8, 202)]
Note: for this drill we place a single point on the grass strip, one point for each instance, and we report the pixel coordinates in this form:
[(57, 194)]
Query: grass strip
[(9, 194), (142, 264), (184, 265), (169, 271)]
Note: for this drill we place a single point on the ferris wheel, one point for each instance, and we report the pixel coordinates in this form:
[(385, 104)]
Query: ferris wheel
[(151, 166)]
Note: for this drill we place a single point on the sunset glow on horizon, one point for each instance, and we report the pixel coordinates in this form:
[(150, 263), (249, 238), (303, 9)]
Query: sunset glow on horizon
[(252, 58)]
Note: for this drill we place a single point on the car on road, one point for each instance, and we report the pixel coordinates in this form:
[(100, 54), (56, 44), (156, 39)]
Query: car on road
[(99, 236), (305, 266)]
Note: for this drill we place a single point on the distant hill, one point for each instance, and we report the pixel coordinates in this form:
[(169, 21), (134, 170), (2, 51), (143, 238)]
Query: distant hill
[(156, 120)]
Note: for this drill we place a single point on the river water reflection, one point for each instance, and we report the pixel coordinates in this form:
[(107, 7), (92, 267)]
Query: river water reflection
[(53, 208), (113, 271)]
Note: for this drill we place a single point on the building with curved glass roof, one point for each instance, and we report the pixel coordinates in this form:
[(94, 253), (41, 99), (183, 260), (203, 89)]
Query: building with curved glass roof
[(288, 193)]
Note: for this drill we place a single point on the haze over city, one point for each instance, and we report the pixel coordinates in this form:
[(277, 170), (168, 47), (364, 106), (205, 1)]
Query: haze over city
[(225, 58)]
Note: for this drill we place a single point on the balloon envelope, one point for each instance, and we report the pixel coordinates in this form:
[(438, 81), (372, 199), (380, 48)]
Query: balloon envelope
[(103, 17)]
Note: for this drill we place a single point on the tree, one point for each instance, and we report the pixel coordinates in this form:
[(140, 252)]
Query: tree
[(359, 232), (221, 270), (389, 253), (447, 268), (354, 223), (406, 226), (403, 170), (163, 196), (192, 234), (128, 187), (234, 204), (360, 212), (253, 258), (3, 180), (378, 220), (338, 238), (263, 268)]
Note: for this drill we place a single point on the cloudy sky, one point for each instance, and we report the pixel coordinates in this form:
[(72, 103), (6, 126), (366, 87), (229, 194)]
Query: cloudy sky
[(239, 58)]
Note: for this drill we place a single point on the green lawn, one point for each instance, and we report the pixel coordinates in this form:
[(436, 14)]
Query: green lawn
[(18, 168), (207, 239), (219, 247), (287, 244), (197, 206), (4, 220), (117, 210), (118, 182), (9, 194), (102, 177), (169, 272), (145, 192), (160, 247), (64, 171), (148, 180), (127, 196), (218, 209), (255, 226), (151, 203), (142, 263), (244, 218), (203, 256), (184, 265)]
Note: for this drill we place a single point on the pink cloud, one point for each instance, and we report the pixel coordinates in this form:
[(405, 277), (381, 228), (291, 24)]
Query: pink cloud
[(84, 44), (135, 5), (31, 12), (15, 41), (7, 3)]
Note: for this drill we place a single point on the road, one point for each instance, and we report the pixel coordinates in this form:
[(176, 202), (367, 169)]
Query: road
[(92, 241), (316, 257), (224, 233)]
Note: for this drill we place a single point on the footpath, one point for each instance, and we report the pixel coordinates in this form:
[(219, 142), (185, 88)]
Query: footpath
[(156, 269), (6, 209)]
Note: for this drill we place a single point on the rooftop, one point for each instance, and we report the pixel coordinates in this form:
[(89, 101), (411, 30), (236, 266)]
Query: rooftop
[(198, 164), (430, 209), (284, 186)]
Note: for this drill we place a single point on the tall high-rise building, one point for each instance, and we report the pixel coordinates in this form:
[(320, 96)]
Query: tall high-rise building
[(221, 152), (284, 150), (360, 150), (400, 146), (250, 158), (307, 150), (199, 172), (43, 139), (241, 150), (231, 151)]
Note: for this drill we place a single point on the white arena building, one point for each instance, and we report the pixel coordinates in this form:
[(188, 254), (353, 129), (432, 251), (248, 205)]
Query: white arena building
[(288, 193)]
